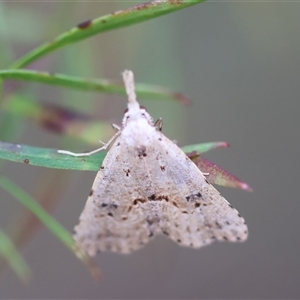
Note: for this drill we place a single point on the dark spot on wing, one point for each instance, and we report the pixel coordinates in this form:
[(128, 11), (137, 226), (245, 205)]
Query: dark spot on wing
[(85, 24), (129, 208), (124, 218), (162, 197), (151, 234), (91, 193), (159, 139), (127, 171), (178, 241), (115, 206), (101, 167), (218, 225), (230, 205), (110, 214), (197, 204), (193, 196), (135, 202), (152, 197), (206, 181), (165, 232), (175, 204), (104, 204), (26, 161), (163, 168), (225, 238)]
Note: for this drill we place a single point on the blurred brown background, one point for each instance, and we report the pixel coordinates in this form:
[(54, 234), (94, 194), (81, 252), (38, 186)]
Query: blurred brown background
[(239, 64)]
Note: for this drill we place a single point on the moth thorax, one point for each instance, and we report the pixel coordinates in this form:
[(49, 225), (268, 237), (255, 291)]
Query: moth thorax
[(135, 112)]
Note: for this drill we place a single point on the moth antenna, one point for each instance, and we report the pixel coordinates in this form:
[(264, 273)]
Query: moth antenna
[(130, 89)]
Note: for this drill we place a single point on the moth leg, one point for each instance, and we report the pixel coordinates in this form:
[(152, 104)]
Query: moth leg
[(106, 145), (116, 127), (158, 124)]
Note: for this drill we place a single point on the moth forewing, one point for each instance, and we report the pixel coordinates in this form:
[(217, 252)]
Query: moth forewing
[(147, 186), (156, 192)]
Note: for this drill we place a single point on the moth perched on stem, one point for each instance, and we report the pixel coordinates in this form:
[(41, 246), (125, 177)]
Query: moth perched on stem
[(147, 186)]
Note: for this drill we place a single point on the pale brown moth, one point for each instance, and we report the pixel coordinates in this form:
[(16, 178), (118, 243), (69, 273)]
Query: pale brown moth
[(147, 186)]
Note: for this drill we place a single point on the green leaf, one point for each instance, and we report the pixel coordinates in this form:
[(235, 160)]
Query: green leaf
[(96, 85), (50, 158), (59, 231), (13, 258), (204, 147), (122, 18)]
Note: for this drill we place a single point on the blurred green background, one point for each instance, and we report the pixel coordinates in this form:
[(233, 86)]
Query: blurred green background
[(239, 64)]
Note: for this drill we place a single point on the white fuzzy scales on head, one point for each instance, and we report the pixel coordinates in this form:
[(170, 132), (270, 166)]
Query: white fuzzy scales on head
[(147, 186)]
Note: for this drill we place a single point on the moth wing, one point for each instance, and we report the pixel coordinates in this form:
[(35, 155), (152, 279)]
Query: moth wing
[(136, 197), (111, 220), (194, 213)]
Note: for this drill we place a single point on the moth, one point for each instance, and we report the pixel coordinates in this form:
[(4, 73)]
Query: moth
[(147, 186)]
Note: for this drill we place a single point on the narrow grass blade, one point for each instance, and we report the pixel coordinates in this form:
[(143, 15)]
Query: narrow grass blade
[(204, 147), (49, 158), (13, 258), (122, 18), (59, 231), (95, 85), (217, 175)]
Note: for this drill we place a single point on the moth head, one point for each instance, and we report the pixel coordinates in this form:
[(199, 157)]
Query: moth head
[(136, 112)]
